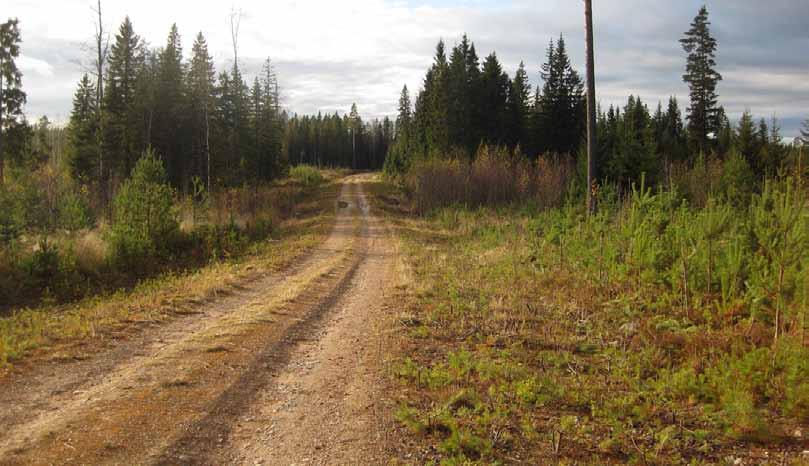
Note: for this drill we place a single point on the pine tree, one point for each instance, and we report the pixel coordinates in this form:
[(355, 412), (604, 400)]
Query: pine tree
[(121, 122), (354, 127), (702, 79), (559, 109), (805, 132), (81, 133), (12, 97)]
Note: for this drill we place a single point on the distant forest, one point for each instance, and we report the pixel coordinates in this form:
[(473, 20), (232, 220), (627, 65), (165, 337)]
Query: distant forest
[(463, 104), (223, 129), (218, 129)]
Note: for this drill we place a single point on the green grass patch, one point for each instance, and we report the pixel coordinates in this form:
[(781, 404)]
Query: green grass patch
[(652, 333)]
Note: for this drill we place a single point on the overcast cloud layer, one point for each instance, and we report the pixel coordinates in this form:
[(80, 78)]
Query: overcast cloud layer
[(329, 54)]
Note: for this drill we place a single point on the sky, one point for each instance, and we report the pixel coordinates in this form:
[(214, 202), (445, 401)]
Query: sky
[(330, 54)]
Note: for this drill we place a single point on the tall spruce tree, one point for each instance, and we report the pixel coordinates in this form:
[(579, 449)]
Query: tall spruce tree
[(168, 133), (271, 144), (122, 123), (404, 118), (400, 153), (430, 132), (493, 105), (12, 97), (519, 107), (200, 86), (81, 133), (559, 112), (463, 87), (702, 79)]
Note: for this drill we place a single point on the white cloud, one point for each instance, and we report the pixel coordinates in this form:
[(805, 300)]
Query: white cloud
[(39, 67)]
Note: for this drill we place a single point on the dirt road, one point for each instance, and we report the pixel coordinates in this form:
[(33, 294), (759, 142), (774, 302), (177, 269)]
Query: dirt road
[(286, 371)]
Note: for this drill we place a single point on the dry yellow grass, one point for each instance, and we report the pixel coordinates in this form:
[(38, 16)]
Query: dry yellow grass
[(161, 298)]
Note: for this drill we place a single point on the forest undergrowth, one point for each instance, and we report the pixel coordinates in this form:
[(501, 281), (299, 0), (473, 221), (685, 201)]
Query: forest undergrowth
[(147, 266), (662, 330)]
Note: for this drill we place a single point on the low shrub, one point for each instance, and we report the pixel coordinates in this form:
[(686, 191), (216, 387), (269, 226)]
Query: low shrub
[(495, 177), (42, 266), (306, 175)]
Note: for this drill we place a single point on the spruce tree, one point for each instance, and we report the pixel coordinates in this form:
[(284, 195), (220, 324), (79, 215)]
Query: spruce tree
[(252, 160), (147, 89), (430, 132), (745, 138), (724, 140), (121, 122), (673, 141), (233, 125), (200, 87), (12, 97), (559, 119), (404, 117), (702, 79), (463, 115), (519, 107), (81, 133), (272, 134), (399, 155), (771, 156), (167, 136), (494, 93)]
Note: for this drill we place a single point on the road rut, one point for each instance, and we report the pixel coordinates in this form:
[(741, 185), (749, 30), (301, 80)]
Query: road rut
[(285, 371)]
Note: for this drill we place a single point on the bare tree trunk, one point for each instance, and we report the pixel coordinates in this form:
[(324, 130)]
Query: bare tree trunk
[(207, 148), (101, 57), (591, 104), (235, 23), (2, 157)]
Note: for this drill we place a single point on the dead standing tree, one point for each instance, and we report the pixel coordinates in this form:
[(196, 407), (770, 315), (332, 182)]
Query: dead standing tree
[(591, 105), (102, 43)]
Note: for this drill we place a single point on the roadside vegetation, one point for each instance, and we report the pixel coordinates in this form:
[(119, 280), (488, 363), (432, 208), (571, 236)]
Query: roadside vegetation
[(667, 326), (158, 254), (665, 329)]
